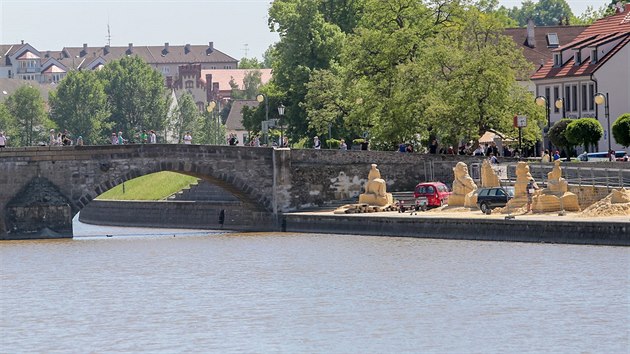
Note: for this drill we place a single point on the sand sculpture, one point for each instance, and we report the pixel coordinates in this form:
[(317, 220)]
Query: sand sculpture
[(556, 196), (523, 176), (617, 203), (376, 190), (374, 199), (463, 188), (489, 178)]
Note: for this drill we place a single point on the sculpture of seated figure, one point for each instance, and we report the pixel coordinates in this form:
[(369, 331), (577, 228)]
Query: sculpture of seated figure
[(489, 178), (556, 196), (464, 188), (376, 190), (523, 176)]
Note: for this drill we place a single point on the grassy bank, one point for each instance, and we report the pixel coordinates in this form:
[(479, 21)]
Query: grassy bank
[(156, 186)]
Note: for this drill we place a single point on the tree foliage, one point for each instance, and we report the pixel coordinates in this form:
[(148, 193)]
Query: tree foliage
[(585, 131), (79, 104), (136, 95), (543, 13), (250, 63), (621, 129), (557, 136), (27, 107), (8, 123), (186, 118)]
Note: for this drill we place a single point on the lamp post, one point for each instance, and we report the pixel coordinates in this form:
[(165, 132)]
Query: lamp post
[(261, 97), (542, 100), (210, 110), (600, 99), (281, 108), (560, 105)]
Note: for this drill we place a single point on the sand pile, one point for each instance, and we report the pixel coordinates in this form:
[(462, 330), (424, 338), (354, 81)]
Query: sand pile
[(616, 203)]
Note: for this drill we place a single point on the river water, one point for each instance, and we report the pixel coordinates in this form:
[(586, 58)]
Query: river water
[(174, 291)]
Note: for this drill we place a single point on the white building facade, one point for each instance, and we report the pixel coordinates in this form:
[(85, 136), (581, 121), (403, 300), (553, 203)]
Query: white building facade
[(597, 61)]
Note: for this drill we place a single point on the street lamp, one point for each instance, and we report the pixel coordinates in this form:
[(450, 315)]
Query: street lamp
[(560, 105), (210, 110), (261, 97), (281, 113), (542, 101), (599, 100)]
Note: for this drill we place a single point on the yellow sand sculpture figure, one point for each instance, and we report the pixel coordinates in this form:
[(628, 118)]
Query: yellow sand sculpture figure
[(617, 203), (520, 188), (556, 196), (376, 190), (464, 188), (489, 178)]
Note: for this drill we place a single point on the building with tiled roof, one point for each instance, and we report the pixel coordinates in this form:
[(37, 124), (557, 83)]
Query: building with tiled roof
[(22, 61), (596, 61), (234, 122), (538, 43)]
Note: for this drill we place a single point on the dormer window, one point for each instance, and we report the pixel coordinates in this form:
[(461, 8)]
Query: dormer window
[(552, 40), (577, 58), (557, 60), (593, 55)]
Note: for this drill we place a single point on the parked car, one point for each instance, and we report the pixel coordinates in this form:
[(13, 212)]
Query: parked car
[(490, 198), (604, 156), (431, 194)]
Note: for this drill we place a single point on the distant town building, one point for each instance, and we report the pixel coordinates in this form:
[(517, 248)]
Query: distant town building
[(597, 60)]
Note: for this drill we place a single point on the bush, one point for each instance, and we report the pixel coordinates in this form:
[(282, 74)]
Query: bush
[(556, 133), (621, 129), (333, 143), (585, 131), (358, 141)]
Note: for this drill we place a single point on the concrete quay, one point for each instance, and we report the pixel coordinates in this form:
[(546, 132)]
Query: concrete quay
[(474, 225)]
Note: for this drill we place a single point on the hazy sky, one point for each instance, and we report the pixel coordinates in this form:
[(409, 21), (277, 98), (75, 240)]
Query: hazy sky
[(237, 27)]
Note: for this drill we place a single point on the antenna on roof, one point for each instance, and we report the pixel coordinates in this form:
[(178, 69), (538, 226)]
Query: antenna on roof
[(109, 35), (246, 49)]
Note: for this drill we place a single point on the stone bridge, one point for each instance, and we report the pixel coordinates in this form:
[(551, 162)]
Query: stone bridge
[(44, 187)]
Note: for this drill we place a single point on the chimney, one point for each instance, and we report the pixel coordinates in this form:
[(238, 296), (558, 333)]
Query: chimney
[(84, 50), (106, 49), (47, 54), (165, 50), (22, 41), (210, 48), (187, 48), (130, 49), (531, 36)]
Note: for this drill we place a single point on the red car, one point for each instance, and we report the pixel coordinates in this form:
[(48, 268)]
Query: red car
[(431, 194)]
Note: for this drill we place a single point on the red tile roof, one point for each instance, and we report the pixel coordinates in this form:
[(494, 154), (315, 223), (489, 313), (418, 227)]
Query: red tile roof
[(615, 27), (224, 76)]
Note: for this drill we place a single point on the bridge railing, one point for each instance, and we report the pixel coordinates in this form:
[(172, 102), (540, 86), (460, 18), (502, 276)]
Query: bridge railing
[(577, 175)]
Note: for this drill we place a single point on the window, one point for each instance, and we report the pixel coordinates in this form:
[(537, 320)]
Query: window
[(567, 98), (574, 98), (557, 60), (492, 192), (500, 192), (577, 58), (189, 84), (593, 55), (166, 70), (548, 94), (584, 97), (591, 97), (552, 40), (483, 192), (556, 96)]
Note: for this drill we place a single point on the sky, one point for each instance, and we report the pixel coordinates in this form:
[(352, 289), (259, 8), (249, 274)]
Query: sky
[(238, 28)]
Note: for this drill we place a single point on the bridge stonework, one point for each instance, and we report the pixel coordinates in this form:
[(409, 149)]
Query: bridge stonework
[(268, 180)]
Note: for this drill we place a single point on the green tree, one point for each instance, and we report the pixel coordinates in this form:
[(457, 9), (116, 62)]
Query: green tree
[(136, 95), (307, 42), (187, 118), (250, 63), (557, 136), (79, 104), (251, 84), (8, 123), (585, 131), (621, 129), (27, 106), (543, 13)]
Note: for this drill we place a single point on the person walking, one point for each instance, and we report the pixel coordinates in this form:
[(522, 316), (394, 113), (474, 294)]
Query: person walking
[(317, 144), (3, 140), (121, 140), (52, 140), (556, 156), (188, 138), (152, 137), (546, 157), (343, 145), (530, 190), (114, 139), (144, 137)]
